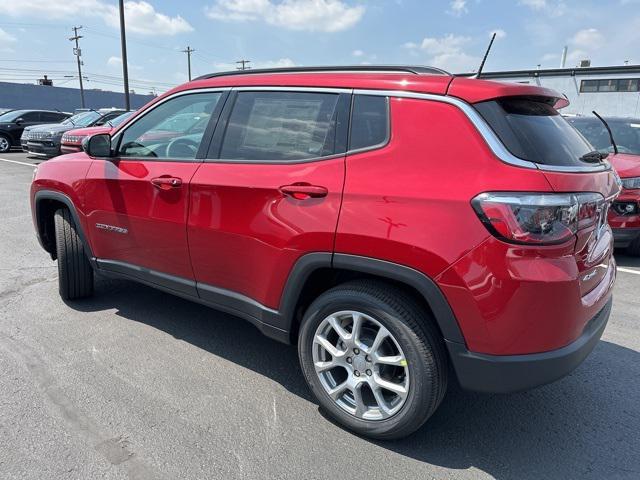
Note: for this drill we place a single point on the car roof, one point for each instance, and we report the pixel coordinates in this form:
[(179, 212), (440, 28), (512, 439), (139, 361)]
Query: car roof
[(419, 79)]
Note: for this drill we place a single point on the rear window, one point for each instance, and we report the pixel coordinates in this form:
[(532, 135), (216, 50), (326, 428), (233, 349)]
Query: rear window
[(626, 133), (533, 130)]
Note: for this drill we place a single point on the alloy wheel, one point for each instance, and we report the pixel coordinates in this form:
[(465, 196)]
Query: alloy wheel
[(360, 365)]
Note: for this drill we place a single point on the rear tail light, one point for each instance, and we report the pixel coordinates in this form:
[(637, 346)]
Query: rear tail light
[(538, 218)]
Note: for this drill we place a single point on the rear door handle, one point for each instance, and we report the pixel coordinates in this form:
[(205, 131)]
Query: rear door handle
[(166, 182), (302, 191)]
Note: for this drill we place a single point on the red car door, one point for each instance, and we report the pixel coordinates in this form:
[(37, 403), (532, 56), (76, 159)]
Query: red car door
[(269, 192), (137, 202)]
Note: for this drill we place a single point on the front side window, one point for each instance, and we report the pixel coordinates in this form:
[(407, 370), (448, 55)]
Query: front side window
[(277, 126), (162, 133), (369, 122)]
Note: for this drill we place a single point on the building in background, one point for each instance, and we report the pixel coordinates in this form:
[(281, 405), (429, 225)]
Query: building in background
[(45, 97), (611, 91)]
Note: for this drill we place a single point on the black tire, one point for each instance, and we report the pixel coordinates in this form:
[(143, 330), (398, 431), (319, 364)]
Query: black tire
[(5, 144), (414, 331), (634, 247), (75, 275)]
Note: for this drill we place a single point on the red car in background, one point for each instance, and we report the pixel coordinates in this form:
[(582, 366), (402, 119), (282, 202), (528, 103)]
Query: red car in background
[(72, 140), (623, 146)]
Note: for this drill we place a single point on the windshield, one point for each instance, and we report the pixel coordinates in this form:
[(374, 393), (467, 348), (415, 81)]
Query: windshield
[(83, 119), (533, 130), (11, 116), (120, 119), (626, 133)]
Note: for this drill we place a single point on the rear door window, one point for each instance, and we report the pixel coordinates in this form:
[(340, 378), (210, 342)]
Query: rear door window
[(281, 126), (533, 130), (369, 122)]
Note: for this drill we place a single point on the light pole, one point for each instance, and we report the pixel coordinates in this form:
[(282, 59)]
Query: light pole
[(125, 69)]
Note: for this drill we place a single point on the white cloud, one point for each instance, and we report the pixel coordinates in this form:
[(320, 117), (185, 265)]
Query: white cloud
[(500, 34), (141, 16), (553, 8), (114, 62), (447, 52), (357, 53), (535, 4), (6, 40), (457, 7), (587, 38), (311, 15)]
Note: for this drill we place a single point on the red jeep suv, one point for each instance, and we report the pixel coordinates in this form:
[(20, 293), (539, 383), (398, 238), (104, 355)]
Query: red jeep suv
[(392, 221)]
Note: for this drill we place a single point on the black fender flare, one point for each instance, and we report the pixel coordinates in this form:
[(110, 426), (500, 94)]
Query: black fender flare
[(431, 293), (64, 199)]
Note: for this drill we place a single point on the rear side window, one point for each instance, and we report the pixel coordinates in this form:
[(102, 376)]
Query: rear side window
[(533, 130), (281, 126), (52, 117), (369, 122)]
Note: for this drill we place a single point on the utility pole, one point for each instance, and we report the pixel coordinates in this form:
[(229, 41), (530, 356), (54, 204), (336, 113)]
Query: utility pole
[(78, 53), (189, 51), (125, 68), (243, 64)]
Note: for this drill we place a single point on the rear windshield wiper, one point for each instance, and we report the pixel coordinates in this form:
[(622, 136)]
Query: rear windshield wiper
[(594, 157)]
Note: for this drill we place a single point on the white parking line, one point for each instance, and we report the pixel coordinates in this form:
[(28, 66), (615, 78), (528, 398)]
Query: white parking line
[(628, 270), (19, 163)]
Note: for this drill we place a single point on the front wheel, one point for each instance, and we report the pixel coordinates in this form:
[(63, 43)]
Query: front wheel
[(5, 144), (373, 359), (75, 275)]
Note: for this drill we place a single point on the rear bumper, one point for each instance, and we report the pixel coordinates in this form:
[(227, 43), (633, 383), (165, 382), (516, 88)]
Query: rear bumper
[(512, 373), (623, 237)]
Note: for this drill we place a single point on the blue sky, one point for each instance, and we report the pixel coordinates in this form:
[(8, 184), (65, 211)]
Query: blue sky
[(449, 34)]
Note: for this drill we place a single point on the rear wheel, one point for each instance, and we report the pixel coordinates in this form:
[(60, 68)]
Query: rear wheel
[(75, 275), (373, 359), (5, 144)]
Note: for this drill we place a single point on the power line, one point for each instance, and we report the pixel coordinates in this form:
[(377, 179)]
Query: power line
[(189, 51), (78, 53)]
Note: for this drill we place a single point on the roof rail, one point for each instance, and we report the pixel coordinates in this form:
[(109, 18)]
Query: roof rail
[(415, 70)]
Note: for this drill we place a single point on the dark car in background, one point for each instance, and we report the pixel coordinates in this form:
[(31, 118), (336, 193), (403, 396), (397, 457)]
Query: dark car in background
[(623, 147), (14, 122), (72, 140), (45, 140)]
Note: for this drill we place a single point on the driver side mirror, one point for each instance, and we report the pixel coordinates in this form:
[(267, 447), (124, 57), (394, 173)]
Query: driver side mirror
[(97, 145), (19, 121)]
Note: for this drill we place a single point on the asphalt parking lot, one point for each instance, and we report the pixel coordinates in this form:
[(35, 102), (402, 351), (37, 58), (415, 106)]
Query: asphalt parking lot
[(135, 383)]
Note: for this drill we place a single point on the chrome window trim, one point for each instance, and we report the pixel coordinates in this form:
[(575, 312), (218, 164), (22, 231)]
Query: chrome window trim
[(490, 137), (262, 88)]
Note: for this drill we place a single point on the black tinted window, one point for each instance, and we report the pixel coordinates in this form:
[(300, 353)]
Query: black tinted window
[(31, 117), (52, 117), (281, 126), (369, 121), (533, 130)]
